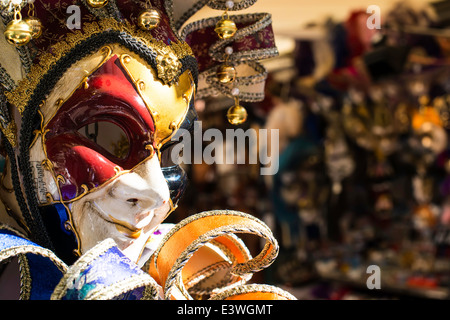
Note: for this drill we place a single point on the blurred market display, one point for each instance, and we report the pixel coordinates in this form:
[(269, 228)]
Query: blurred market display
[(364, 175)]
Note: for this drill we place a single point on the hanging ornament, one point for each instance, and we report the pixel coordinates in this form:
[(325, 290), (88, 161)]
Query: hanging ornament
[(226, 73), (149, 18), (226, 28), (18, 32), (33, 22), (236, 114), (97, 3), (35, 25)]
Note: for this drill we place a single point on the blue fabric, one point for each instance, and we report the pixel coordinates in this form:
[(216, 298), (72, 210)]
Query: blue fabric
[(107, 269), (9, 239), (44, 274), (136, 294), (63, 217), (44, 277)]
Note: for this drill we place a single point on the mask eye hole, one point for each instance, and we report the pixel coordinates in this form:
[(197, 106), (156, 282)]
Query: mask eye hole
[(108, 136)]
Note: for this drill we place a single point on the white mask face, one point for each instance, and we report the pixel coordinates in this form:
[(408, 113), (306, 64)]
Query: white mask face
[(127, 210)]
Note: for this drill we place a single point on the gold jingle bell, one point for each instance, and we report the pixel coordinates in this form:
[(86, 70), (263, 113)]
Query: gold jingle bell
[(225, 28), (149, 19), (96, 3), (237, 114), (36, 26), (18, 32), (226, 73)]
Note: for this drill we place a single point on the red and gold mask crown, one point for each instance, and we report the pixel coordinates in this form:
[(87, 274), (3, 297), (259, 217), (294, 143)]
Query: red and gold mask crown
[(46, 37)]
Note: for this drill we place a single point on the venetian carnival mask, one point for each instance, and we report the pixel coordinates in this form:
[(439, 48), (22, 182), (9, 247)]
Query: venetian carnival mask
[(89, 116), (98, 157), (113, 182)]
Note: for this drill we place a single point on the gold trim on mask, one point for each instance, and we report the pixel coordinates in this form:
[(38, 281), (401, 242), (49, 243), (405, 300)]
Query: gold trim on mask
[(168, 105), (106, 53)]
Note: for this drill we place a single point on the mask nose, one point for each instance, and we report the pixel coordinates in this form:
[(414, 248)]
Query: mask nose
[(133, 195)]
